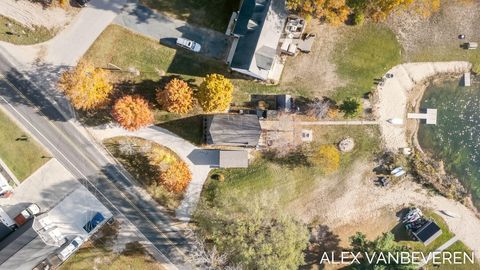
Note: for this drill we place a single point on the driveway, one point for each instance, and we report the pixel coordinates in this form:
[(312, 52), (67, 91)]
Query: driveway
[(150, 23), (200, 161)]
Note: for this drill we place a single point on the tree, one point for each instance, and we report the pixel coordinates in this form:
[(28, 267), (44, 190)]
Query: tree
[(332, 11), (215, 93), (252, 234), (85, 86), (132, 112), (327, 157), (177, 177), (176, 97), (351, 107), (383, 244)]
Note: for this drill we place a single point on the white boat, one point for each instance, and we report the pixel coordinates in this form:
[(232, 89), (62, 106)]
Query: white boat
[(395, 121), (396, 170)]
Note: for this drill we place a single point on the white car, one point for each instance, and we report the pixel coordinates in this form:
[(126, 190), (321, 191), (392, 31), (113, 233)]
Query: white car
[(72, 247), (188, 44)]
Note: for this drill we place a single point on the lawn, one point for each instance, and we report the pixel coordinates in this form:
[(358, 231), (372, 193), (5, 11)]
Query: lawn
[(458, 246), (213, 14), (363, 54), (131, 152), (20, 152), (286, 182), (13, 32)]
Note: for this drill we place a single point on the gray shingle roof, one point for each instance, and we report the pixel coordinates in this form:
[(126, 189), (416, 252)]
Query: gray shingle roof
[(232, 129)]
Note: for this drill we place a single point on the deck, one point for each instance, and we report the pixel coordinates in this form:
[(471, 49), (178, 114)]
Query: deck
[(430, 116)]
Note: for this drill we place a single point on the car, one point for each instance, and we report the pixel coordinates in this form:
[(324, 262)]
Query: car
[(93, 223), (188, 44), (32, 210), (70, 248), (82, 3)]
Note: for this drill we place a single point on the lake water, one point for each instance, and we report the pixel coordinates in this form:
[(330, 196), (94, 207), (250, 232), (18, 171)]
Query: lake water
[(456, 137)]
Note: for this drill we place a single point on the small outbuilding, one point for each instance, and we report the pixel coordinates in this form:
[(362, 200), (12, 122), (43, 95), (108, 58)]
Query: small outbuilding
[(428, 232), (233, 159), (242, 130)]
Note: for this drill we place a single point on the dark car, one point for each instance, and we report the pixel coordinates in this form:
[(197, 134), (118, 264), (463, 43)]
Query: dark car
[(82, 3)]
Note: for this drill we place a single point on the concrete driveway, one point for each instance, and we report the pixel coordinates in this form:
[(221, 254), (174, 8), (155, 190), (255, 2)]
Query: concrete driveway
[(150, 23)]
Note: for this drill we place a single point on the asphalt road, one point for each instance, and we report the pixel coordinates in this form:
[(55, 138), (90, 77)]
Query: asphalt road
[(109, 183)]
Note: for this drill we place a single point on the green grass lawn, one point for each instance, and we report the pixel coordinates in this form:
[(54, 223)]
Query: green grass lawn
[(289, 183), (458, 246), (137, 164), (213, 14), (447, 52), (363, 54), (22, 154), (13, 32)]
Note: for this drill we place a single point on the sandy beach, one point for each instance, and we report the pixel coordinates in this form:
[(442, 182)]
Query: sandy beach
[(393, 96)]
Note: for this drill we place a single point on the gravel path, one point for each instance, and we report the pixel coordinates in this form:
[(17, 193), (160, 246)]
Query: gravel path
[(32, 14)]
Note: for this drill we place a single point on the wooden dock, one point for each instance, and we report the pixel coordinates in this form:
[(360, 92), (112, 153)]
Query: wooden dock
[(430, 116), (466, 79)]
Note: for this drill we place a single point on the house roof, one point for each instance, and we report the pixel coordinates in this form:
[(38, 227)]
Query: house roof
[(233, 129), (233, 159), (428, 232), (17, 240), (260, 26)]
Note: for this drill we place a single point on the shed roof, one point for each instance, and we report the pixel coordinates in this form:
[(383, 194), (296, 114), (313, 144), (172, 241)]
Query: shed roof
[(428, 232), (233, 129), (233, 159)]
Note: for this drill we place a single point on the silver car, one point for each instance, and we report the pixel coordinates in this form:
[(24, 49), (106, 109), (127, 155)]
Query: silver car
[(188, 44)]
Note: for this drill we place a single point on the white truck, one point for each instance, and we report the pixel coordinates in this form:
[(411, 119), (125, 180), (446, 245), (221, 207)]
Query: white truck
[(70, 248)]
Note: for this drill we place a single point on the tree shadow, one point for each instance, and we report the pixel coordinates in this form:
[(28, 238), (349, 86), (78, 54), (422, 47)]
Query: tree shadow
[(189, 128), (322, 240), (294, 158), (399, 231)]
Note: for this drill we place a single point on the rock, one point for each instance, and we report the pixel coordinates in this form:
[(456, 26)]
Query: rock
[(346, 145)]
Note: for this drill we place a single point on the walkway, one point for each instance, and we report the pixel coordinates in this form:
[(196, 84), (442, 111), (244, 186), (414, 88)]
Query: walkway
[(199, 161), (148, 22), (339, 123), (440, 249)]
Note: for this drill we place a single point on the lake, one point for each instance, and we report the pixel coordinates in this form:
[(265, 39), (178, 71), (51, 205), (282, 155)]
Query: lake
[(456, 137)]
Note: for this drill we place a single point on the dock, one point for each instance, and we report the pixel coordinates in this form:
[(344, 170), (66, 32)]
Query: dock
[(430, 116), (466, 79)]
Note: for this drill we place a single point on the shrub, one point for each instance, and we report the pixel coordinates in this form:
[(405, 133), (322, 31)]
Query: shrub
[(358, 18), (351, 107), (176, 178), (327, 157)]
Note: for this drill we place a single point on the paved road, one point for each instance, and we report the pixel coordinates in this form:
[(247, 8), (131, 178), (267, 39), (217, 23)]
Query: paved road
[(145, 21), (83, 158)]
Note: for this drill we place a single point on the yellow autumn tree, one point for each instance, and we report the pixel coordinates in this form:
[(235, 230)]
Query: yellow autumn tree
[(176, 178), (176, 97), (327, 157), (85, 86), (334, 12), (215, 93), (132, 112)]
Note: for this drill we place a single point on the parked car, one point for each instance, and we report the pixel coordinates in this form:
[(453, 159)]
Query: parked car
[(70, 248), (32, 210), (82, 3), (188, 44)]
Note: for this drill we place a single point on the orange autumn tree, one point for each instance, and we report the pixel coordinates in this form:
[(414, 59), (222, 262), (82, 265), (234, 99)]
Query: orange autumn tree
[(176, 97), (85, 86), (177, 177), (132, 112)]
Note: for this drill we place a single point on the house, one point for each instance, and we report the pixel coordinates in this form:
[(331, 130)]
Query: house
[(256, 30), (428, 232), (232, 130), (233, 159)]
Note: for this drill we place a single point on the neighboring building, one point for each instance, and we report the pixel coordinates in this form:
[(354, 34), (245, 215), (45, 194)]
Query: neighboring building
[(281, 102), (38, 241), (233, 159), (232, 130), (428, 232), (257, 29)]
